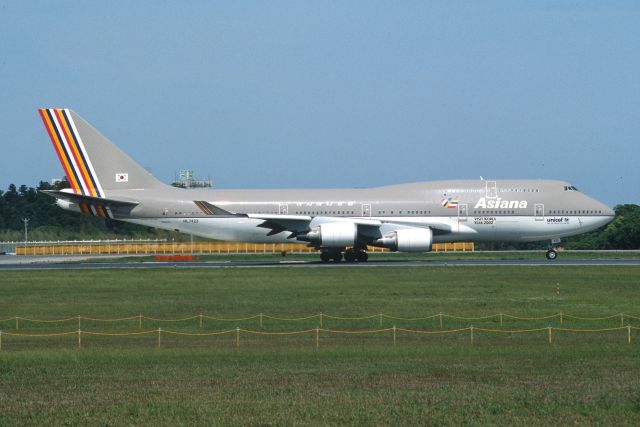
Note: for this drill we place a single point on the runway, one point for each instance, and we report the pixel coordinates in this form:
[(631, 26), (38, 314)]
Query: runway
[(69, 263)]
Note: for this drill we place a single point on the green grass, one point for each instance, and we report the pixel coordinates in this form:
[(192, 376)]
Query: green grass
[(500, 379)]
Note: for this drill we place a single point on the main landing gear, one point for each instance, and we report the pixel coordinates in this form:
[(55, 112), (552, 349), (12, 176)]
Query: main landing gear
[(335, 256), (350, 255)]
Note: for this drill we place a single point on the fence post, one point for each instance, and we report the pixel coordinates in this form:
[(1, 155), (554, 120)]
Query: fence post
[(159, 333), (200, 320), (380, 319), (471, 333), (394, 334), (317, 337), (628, 335), (440, 320), (549, 328), (17, 324), (78, 322), (321, 323), (237, 336), (79, 338)]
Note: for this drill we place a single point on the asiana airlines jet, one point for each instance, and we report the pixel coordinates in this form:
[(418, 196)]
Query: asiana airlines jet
[(340, 223)]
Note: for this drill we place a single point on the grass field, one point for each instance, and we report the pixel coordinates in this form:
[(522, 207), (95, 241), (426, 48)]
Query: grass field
[(500, 379)]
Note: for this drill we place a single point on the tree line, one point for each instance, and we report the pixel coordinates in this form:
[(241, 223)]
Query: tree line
[(49, 222)]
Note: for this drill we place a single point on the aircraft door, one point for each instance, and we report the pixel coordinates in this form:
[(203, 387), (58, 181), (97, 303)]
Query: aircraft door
[(283, 209), (492, 191), (462, 212), (366, 210), (539, 211)]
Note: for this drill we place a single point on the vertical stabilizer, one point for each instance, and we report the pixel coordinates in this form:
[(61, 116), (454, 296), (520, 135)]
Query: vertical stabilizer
[(92, 163)]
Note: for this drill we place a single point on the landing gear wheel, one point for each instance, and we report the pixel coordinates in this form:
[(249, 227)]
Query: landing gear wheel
[(362, 256), (325, 256), (552, 254), (350, 255), (337, 256)]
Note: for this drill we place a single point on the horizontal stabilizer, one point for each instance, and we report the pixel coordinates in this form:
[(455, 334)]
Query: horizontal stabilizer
[(90, 200)]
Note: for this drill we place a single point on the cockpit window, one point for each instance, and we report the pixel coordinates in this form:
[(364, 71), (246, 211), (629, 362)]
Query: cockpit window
[(570, 188)]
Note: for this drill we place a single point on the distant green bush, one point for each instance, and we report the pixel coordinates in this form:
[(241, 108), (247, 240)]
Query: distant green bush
[(48, 222)]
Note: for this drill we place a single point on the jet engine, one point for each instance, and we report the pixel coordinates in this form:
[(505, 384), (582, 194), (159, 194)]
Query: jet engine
[(332, 234), (407, 240)]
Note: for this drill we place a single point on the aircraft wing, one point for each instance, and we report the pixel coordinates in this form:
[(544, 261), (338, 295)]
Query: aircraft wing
[(299, 224), (436, 226), (296, 224)]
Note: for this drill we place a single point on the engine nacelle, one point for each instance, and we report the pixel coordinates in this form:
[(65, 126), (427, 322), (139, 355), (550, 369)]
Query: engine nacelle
[(332, 234), (407, 240)]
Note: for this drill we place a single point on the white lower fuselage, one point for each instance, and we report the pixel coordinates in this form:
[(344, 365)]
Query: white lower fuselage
[(469, 229), (451, 211)]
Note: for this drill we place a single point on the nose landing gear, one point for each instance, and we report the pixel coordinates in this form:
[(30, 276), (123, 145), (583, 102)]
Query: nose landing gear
[(552, 253)]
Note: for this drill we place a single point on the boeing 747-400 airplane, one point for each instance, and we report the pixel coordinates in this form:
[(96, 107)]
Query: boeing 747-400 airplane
[(340, 223)]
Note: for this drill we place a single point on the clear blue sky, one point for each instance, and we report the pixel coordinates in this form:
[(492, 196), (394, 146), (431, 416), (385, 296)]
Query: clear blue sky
[(332, 94)]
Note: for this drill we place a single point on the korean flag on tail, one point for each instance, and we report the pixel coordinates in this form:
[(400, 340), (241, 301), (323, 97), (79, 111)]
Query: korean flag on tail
[(122, 177)]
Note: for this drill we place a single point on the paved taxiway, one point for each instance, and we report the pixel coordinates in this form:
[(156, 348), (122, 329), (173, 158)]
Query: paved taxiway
[(51, 263)]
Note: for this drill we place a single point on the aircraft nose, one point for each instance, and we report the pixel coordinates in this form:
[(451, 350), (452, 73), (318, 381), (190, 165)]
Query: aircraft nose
[(607, 212), (604, 209)]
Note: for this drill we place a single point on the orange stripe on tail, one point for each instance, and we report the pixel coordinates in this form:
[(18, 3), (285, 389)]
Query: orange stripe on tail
[(81, 168), (59, 150)]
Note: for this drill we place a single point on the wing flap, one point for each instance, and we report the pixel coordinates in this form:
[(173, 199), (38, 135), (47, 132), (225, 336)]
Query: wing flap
[(294, 224)]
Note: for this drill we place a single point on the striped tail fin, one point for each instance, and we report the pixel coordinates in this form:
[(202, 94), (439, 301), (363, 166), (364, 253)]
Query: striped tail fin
[(71, 152), (93, 164)]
